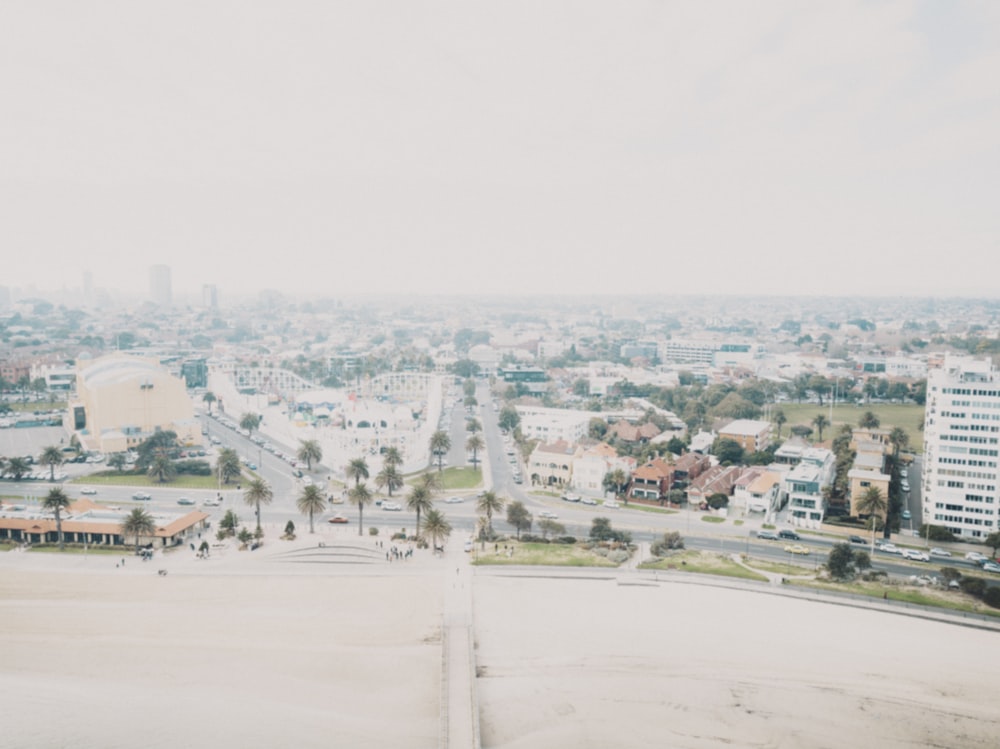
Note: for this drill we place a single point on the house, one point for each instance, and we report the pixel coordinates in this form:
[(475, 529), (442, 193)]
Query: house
[(804, 485), (863, 479), (761, 492), (594, 463), (716, 480), (551, 464), (651, 480)]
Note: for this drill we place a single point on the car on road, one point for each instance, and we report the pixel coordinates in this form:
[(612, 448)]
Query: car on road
[(611, 504), (338, 520), (903, 473), (185, 501), (991, 567), (856, 540), (588, 501), (571, 497), (88, 490), (906, 515), (789, 535), (936, 552), (975, 556), (142, 496), (916, 556), (905, 485), (453, 500), (392, 506), (212, 502), (547, 514), (797, 549), (767, 535), (887, 548)]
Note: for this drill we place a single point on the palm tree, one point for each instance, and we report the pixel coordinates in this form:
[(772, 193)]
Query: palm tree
[(17, 467), (899, 439), (311, 502), (360, 496), (389, 478), (392, 457), (258, 492), (51, 456), (227, 465), (357, 469), (780, 419), (440, 444), (436, 528), (873, 504), (249, 422), (619, 479), (162, 469), (869, 420), (475, 444), (820, 422), (209, 398), (488, 504), (57, 501), (419, 501), (309, 451), (431, 482), (138, 523), (473, 425)]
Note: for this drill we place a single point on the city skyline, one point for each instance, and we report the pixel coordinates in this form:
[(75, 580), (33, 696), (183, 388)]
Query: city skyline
[(576, 148)]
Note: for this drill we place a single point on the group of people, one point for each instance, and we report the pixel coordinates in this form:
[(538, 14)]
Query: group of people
[(394, 553)]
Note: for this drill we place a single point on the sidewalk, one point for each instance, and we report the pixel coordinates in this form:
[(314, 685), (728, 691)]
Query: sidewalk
[(459, 702)]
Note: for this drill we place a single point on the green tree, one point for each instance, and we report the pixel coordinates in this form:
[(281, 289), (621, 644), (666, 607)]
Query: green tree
[(519, 517), (780, 419), (869, 420), (56, 501), (899, 439), (311, 502), (419, 501), (440, 444), (474, 444), (509, 419), (209, 398), (357, 469), (488, 505), (51, 456), (993, 541), (820, 422), (728, 451), (874, 505), (118, 461), (618, 479), (228, 525), (473, 425), (309, 451), (670, 541), (249, 422), (227, 465), (840, 562), (360, 496), (389, 478), (162, 469), (392, 457), (436, 528), (138, 523), (548, 525), (257, 493)]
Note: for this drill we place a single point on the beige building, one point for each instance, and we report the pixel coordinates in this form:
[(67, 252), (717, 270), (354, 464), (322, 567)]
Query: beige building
[(752, 435), (552, 464), (121, 400)]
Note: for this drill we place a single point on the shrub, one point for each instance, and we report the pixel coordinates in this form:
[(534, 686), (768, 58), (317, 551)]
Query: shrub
[(398, 537), (372, 530), (992, 597), (601, 551), (618, 556), (565, 540), (936, 533), (193, 467), (950, 573), (974, 586), (671, 541)]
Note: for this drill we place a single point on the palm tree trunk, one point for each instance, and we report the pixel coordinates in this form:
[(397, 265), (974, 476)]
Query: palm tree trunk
[(361, 517), (418, 522), (62, 546), (258, 516), (311, 522)]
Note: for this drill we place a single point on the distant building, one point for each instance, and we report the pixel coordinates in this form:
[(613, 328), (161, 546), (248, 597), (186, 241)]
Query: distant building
[(195, 372), (210, 296), (160, 291), (553, 424), (752, 435)]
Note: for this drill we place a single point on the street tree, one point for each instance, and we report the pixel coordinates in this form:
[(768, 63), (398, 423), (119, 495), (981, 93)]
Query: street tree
[(118, 461), (57, 501), (780, 419), (227, 465), (250, 422), (389, 478), (162, 469), (360, 495), (519, 517), (18, 467), (437, 529), (420, 502), (51, 456), (509, 419), (474, 444), (392, 457), (440, 444), (357, 469), (820, 422), (257, 493), (137, 523), (548, 525), (209, 398), (311, 502), (488, 505), (310, 452), (873, 504)]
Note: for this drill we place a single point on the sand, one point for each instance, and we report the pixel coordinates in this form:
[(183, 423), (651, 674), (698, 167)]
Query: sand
[(278, 649)]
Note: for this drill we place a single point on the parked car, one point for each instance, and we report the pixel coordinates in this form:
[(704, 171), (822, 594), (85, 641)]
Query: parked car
[(611, 504), (797, 549), (991, 567), (975, 556), (936, 552), (905, 485), (767, 535), (886, 547), (916, 556), (856, 540), (88, 490), (141, 496), (906, 515), (588, 501), (338, 520), (789, 535), (571, 497), (547, 514), (212, 502), (453, 500), (392, 506)]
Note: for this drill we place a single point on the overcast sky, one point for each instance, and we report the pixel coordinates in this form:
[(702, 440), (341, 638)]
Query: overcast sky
[(578, 146)]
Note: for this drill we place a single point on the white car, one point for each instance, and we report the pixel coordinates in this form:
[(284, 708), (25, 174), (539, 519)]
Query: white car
[(936, 552), (588, 501), (611, 504), (888, 548), (453, 500), (571, 497), (975, 556), (547, 514), (916, 556), (392, 506), (88, 490), (212, 502)]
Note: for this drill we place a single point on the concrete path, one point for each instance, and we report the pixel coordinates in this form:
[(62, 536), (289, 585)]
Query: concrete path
[(459, 704)]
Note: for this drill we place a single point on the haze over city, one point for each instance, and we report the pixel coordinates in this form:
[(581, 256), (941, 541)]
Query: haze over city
[(571, 147)]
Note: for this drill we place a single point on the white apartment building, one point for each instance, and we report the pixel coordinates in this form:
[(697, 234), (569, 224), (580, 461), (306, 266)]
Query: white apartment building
[(554, 424), (804, 485), (961, 432)]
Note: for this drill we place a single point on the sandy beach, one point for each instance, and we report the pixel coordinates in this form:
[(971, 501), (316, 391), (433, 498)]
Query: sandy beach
[(288, 649)]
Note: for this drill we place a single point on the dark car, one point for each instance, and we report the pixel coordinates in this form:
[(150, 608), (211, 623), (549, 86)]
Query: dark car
[(789, 535), (857, 540), (767, 535)]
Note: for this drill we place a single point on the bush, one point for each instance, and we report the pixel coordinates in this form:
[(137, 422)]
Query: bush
[(618, 556), (974, 586), (372, 530), (398, 537), (564, 540), (950, 573), (530, 539), (601, 551), (193, 467), (936, 533), (992, 597), (671, 541)]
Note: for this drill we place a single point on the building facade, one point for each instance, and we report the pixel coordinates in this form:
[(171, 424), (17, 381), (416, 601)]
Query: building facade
[(961, 433)]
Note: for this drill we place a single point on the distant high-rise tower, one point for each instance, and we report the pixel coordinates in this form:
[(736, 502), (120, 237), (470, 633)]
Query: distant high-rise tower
[(159, 285), (210, 296), (88, 288)]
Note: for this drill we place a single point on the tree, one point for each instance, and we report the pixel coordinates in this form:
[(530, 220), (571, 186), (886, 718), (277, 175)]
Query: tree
[(138, 523), (728, 451), (519, 517), (419, 501), (618, 479), (718, 500), (509, 419), (431, 482), (309, 451), (820, 422), (51, 456), (57, 501), (873, 504), (209, 398), (357, 469), (18, 467), (474, 444), (360, 496), (780, 419), (249, 422), (257, 493), (162, 469), (228, 525), (840, 562), (869, 420), (993, 541), (440, 444), (489, 504), (310, 502), (118, 461), (436, 528), (392, 457), (548, 525), (227, 465), (899, 439), (671, 541), (389, 478), (473, 425)]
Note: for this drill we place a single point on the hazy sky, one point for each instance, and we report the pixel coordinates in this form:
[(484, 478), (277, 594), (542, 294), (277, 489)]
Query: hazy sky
[(578, 146)]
